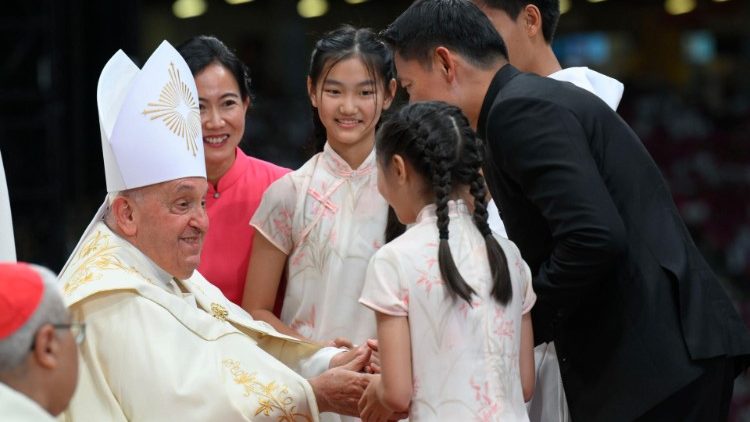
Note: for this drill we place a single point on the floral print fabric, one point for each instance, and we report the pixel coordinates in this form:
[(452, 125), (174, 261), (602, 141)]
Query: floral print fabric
[(464, 356), (329, 219)]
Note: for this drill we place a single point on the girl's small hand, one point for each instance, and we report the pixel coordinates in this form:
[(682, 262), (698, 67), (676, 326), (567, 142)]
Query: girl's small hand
[(355, 359), (371, 408), (373, 367), (372, 344), (341, 342)]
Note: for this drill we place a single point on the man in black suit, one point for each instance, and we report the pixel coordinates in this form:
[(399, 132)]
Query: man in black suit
[(643, 329)]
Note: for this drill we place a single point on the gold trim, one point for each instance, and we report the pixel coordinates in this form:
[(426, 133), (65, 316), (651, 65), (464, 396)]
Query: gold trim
[(178, 109), (219, 312), (272, 397), (96, 255)]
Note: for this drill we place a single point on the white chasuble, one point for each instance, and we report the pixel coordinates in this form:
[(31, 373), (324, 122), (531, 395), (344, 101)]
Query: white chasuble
[(158, 349)]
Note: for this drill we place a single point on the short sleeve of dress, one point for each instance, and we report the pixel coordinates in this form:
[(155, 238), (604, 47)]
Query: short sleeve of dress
[(517, 264), (273, 218), (529, 297), (384, 290)]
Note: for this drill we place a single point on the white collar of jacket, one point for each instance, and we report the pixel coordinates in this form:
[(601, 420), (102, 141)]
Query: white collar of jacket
[(608, 89)]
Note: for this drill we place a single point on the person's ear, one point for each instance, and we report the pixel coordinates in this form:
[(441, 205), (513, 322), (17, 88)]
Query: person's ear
[(246, 103), (123, 210), (445, 63), (46, 347), (311, 93), (390, 93), (399, 169), (532, 20)]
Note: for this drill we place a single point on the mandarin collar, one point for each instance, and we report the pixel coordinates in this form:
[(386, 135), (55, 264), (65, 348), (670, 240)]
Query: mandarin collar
[(238, 168), (503, 75), (455, 208), (339, 167)]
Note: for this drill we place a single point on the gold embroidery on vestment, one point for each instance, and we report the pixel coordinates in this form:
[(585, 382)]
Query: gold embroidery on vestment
[(219, 312), (272, 397), (96, 255)]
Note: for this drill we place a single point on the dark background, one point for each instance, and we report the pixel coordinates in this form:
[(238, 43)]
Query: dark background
[(687, 94)]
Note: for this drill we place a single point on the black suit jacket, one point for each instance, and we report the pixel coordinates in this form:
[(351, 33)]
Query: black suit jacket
[(622, 289)]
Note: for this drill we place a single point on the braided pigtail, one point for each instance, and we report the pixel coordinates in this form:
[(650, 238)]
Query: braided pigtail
[(502, 289), (441, 184), (468, 171)]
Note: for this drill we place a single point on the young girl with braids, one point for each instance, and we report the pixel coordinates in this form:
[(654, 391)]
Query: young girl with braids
[(323, 222), (451, 299)]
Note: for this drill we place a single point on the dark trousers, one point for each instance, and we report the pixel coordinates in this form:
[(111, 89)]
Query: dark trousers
[(706, 399)]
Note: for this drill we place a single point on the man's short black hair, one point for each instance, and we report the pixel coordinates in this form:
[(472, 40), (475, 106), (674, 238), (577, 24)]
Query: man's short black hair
[(456, 24), (549, 9)]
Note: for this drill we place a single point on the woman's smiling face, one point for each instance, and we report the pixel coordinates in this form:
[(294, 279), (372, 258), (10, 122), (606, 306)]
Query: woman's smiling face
[(222, 116)]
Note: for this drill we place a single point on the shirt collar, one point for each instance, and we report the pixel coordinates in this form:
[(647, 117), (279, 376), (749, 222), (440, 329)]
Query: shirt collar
[(505, 74)]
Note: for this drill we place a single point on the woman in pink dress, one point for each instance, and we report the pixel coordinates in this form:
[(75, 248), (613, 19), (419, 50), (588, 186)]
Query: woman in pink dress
[(236, 182)]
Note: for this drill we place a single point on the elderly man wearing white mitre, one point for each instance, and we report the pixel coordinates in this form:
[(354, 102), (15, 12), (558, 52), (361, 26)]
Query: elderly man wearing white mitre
[(162, 342)]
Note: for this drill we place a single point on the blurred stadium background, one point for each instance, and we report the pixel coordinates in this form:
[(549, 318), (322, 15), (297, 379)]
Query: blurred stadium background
[(684, 64)]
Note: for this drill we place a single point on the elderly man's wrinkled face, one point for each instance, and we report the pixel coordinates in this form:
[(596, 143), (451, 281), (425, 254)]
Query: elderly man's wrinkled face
[(171, 221)]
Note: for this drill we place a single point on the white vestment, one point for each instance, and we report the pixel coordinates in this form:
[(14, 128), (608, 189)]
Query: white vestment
[(160, 349), (17, 407)]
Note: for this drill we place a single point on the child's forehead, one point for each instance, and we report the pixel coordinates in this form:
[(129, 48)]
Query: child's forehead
[(350, 70), (355, 65)]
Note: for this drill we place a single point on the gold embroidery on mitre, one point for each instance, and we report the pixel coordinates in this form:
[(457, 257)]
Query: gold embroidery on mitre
[(96, 255), (219, 312), (272, 397), (178, 109)]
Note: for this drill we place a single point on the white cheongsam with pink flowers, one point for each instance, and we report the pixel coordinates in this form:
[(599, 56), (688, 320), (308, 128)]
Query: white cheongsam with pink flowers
[(464, 357), (329, 219)]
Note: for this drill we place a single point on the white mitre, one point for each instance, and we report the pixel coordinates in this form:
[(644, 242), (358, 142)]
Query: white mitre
[(150, 123), (149, 118), (7, 243)]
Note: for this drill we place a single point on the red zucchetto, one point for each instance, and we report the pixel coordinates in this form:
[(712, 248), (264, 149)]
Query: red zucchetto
[(21, 291)]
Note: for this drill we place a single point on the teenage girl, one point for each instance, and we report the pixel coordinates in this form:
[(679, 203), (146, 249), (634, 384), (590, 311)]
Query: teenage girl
[(451, 299), (323, 222)]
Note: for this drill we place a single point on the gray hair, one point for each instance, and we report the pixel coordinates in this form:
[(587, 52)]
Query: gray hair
[(136, 194), (51, 310)]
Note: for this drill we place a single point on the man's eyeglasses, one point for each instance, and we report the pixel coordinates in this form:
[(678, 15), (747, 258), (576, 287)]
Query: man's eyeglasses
[(77, 329)]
